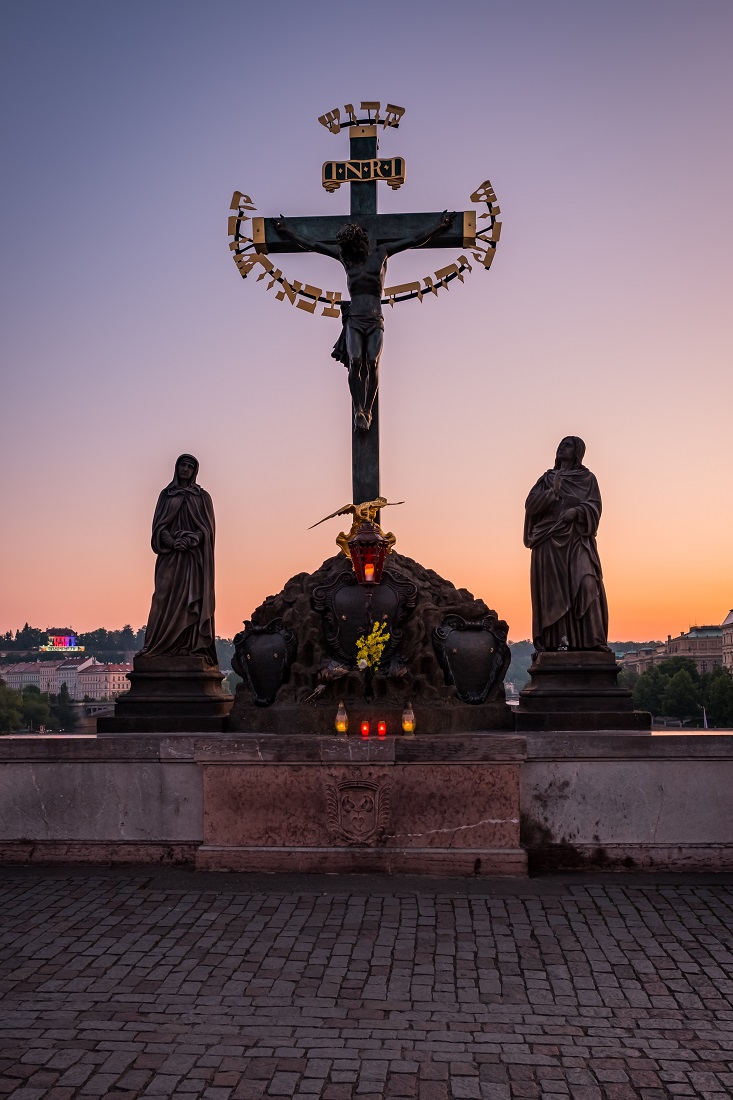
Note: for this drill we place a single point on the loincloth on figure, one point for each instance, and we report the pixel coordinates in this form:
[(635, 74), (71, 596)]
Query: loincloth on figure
[(363, 323)]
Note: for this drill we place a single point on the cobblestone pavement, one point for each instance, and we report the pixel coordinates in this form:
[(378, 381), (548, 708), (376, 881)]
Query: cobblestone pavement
[(139, 983)]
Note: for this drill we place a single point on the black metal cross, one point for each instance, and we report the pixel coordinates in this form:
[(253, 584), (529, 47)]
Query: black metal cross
[(359, 172)]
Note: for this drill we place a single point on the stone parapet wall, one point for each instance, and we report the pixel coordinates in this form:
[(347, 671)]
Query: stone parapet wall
[(628, 803), (99, 799), (442, 805), (433, 804)]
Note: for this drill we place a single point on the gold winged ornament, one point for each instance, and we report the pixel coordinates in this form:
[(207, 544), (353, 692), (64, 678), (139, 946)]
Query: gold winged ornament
[(366, 512)]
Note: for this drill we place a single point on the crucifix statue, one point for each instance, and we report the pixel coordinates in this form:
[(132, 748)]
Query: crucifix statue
[(365, 263), (362, 241)]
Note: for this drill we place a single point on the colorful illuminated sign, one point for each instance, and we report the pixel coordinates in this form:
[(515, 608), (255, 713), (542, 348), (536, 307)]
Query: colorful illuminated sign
[(64, 642)]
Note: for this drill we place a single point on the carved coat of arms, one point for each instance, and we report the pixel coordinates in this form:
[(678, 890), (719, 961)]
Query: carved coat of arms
[(358, 812), (263, 657), (474, 656)]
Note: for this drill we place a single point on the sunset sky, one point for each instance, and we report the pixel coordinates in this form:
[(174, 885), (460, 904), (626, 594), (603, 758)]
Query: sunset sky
[(129, 336)]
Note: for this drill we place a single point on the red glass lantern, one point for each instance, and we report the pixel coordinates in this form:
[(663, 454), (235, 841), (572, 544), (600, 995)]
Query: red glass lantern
[(381, 729), (368, 549), (365, 729)]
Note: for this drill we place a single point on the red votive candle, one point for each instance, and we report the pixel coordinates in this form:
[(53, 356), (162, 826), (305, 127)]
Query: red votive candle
[(369, 573), (365, 729), (382, 729)]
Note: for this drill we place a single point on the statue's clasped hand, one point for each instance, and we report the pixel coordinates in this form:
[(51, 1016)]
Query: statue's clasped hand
[(186, 540)]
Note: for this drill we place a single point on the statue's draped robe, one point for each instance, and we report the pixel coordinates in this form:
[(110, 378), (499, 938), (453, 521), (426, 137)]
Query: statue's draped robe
[(568, 597), (181, 621)]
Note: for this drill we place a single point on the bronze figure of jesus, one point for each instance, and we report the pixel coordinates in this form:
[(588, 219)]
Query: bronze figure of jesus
[(360, 344)]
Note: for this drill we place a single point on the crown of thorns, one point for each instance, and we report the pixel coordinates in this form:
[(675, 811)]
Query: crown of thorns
[(352, 234)]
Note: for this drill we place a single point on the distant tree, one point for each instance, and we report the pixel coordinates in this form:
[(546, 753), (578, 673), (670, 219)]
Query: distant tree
[(30, 637), (718, 697), (681, 698), (63, 714), (521, 658), (95, 640), (649, 689), (672, 665), (11, 710), (111, 643), (225, 652), (36, 711), (627, 678), (231, 682)]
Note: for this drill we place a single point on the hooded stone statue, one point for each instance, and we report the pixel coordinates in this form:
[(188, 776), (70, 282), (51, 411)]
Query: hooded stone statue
[(569, 609), (181, 620)]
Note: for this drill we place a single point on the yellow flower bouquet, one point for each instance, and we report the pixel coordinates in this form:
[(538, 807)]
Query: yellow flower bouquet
[(370, 647)]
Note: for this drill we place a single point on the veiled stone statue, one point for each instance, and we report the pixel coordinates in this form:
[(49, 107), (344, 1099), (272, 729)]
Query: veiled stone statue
[(569, 609), (181, 620)]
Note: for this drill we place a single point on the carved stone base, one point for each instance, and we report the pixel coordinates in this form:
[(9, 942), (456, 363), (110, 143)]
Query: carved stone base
[(170, 695), (447, 655), (577, 691), (432, 805)]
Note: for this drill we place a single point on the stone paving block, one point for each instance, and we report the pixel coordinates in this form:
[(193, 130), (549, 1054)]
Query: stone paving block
[(249, 1090), (433, 1090), (603, 990), (494, 1090), (465, 1088), (76, 1075)]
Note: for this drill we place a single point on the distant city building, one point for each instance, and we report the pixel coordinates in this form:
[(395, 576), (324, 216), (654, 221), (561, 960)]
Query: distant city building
[(99, 681), (68, 673), (47, 676), (61, 638), (727, 628), (40, 674), (703, 644), (83, 676)]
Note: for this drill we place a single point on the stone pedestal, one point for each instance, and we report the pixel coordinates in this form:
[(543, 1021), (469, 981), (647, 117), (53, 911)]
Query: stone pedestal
[(428, 805), (577, 690), (447, 654), (170, 695)]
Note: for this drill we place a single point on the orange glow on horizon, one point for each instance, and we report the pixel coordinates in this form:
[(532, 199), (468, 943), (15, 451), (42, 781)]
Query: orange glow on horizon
[(133, 338)]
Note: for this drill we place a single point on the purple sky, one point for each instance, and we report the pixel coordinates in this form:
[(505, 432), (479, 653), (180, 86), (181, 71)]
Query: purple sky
[(130, 337)]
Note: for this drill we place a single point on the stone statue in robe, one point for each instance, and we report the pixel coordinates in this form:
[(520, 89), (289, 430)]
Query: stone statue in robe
[(569, 609), (181, 620)]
